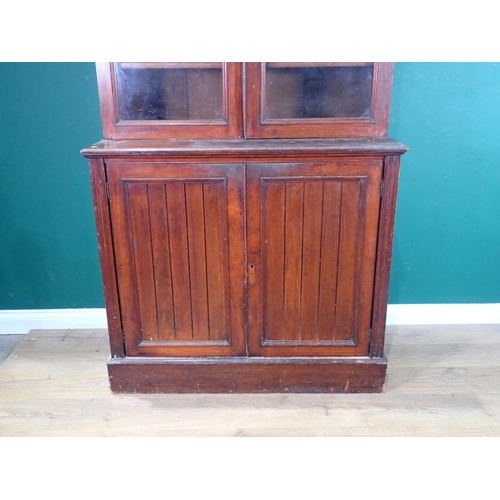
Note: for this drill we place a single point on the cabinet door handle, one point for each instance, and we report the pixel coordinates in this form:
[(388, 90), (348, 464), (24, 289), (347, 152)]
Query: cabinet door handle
[(251, 274)]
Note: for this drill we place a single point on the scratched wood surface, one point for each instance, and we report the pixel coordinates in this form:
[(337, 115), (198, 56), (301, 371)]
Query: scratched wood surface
[(442, 381)]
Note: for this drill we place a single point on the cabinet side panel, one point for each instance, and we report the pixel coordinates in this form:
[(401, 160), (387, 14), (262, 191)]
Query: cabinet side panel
[(105, 241), (384, 254)]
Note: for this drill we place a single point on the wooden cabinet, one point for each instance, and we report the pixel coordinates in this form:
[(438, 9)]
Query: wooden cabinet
[(312, 242), (180, 256), (170, 100), (237, 264)]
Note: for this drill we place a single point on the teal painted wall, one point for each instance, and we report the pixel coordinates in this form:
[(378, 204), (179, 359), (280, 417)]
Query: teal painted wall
[(48, 247), (447, 237), (447, 240)]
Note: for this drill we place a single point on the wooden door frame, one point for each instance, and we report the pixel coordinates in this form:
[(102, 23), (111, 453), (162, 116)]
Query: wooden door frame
[(231, 127), (137, 171), (371, 172), (374, 126)]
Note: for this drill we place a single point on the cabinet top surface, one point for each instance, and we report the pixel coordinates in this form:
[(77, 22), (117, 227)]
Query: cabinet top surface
[(244, 147)]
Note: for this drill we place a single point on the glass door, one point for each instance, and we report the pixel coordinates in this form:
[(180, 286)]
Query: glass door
[(317, 99), (155, 100)]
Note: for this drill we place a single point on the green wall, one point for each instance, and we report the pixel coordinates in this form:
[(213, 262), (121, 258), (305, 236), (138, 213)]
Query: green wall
[(48, 247), (447, 238), (447, 241)]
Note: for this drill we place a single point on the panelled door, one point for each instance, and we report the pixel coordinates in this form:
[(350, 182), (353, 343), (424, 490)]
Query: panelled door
[(179, 250), (312, 234)]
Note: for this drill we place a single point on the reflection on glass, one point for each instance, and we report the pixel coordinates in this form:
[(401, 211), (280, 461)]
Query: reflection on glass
[(318, 90), (169, 91)]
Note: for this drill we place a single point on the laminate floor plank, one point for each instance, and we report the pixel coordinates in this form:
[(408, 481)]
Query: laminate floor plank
[(442, 381), (7, 344)]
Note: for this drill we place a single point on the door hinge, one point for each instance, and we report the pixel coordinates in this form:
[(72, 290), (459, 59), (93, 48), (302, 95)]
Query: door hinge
[(123, 338), (107, 189), (381, 187)]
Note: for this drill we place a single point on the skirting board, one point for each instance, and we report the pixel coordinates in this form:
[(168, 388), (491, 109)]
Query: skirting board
[(24, 320), (443, 314)]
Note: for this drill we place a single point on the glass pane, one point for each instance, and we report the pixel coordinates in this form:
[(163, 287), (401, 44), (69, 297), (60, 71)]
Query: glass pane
[(318, 90), (169, 91)]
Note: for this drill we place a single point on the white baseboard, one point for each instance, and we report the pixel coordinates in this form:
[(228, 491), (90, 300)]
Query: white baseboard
[(24, 320), (443, 314)]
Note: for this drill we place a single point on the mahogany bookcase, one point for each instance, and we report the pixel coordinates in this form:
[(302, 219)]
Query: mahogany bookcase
[(245, 217)]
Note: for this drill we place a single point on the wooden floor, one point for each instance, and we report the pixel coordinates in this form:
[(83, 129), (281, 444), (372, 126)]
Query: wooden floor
[(7, 345), (442, 381)]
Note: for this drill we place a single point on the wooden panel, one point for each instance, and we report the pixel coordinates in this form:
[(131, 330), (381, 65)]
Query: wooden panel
[(178, 237), (311, 259), (177, 223), (216, 250), (332, 193), (252, 375), (161, 261), (319, 257), (293, 259), (304, 233), (348, 257), (141, 237), (273, 243), (197, 259)]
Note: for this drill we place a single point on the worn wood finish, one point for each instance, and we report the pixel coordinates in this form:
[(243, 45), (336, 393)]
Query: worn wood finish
[(174, 225), (244, 149), (237, 265), (257, 126), (106, 255), (314, 276), (292, 260), (247, 375), (442, 380), (162, 262), (384, 253), (288, 227), (229, 127)]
